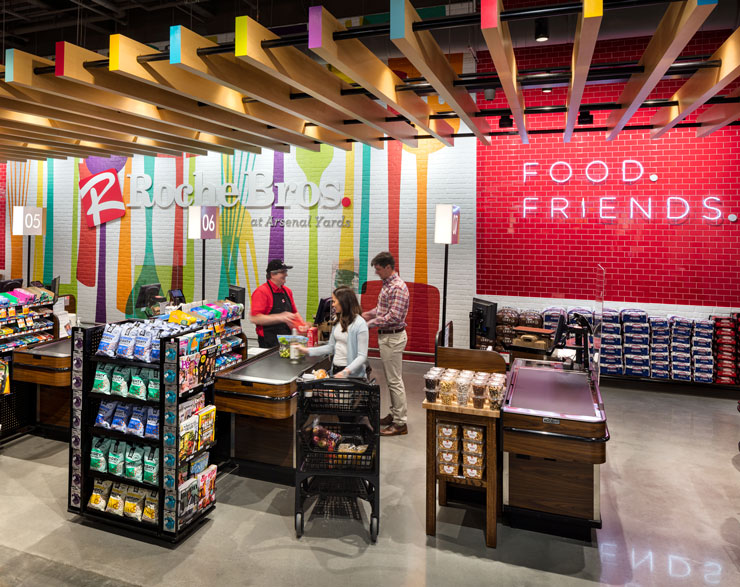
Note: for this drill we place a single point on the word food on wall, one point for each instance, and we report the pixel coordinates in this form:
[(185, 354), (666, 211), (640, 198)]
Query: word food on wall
[(608, 208)]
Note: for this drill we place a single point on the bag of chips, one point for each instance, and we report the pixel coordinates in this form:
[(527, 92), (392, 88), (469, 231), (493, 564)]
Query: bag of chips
[(99, 454), (101, 384), (120, 380), (137, 422), (137, 388), (109, 341), (134, 468), (143, 345), (99, 495), (151, 508), (152, 389), (120, 418), (117, 458), (125, 348), (116, 499), (152, 423), (151, 465), (133, 507), (105, 413)]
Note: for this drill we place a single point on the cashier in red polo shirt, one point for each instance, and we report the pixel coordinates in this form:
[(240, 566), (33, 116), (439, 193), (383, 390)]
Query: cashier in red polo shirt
[(273, 309)]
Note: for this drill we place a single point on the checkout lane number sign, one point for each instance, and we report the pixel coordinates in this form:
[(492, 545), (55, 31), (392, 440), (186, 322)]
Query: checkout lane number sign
[(203, 222), (28, 220)]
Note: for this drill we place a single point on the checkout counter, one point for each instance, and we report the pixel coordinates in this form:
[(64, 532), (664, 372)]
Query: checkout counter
[(554, 438), (256, 401), (45, 370)]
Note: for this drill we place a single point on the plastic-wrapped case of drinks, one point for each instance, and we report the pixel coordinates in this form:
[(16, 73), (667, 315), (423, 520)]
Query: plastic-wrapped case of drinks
[(452, 387)]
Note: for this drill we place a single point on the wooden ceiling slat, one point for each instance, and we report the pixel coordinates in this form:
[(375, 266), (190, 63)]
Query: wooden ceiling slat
[(718, 116), (425, 54), (296, 69), (498, 39), (243, 77), (702, 86), (356, 61), (587, 32), (676, 29)]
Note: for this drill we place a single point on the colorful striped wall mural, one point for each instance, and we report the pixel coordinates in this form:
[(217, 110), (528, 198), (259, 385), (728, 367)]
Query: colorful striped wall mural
[(382, 203)]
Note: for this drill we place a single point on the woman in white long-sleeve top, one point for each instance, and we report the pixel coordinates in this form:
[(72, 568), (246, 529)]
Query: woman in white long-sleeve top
[(349, 336)]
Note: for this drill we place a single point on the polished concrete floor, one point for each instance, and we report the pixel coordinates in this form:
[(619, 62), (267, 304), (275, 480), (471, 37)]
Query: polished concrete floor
[(670, 507)]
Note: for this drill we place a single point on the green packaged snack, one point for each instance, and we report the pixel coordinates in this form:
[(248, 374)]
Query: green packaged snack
[(152, 390), (151, 465), (134, 468), (99, 454), (103, 378), (138, 385), (117, 458), (120, 381)]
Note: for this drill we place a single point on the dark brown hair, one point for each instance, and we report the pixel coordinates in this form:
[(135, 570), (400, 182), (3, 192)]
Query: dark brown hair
[(383, 259), (349, 304)]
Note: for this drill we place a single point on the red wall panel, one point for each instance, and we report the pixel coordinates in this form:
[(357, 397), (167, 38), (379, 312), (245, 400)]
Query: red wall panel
[(690, 261)]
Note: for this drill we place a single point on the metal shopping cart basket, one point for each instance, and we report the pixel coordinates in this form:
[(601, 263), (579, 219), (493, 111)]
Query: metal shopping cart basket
[(337, 445)]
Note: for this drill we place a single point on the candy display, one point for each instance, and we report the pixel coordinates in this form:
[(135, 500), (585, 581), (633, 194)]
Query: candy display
[(451, 387)]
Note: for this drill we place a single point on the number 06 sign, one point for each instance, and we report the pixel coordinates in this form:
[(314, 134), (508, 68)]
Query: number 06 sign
[(203, 222), (28, 220)]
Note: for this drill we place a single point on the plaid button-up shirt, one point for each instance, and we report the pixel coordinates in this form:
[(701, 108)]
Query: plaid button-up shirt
[(393, 304)]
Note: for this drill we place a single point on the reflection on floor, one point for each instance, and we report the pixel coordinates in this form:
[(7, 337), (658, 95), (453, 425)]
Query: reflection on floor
[(670, 495)]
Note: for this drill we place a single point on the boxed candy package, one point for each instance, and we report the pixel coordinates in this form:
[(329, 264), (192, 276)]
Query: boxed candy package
[(612, 369), (611, 328), (637, 371), (634, 315), (636, 361), (641, 339), (636, 349), (636, 328)]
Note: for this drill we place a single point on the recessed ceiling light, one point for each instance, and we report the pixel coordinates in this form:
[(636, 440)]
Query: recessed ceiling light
[(546, 90)]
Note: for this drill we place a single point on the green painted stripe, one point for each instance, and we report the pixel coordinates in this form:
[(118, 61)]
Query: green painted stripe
[(49, 241), (71, 287), (365, 215)]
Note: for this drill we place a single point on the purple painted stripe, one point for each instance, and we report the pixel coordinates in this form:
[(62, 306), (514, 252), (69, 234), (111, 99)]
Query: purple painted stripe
[(277, 233), (101, 298), (314, 26)]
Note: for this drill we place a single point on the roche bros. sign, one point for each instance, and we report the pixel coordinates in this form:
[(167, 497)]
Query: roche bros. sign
[(674, 208), (259, 193)]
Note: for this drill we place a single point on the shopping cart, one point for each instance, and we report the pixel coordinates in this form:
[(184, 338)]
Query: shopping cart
[(337, 445)]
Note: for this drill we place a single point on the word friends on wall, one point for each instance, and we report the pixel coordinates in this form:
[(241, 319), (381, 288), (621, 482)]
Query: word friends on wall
[(609, 208)]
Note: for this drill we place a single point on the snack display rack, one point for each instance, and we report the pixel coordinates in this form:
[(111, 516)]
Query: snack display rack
[(17, 409), (329, 472), (174, 521)]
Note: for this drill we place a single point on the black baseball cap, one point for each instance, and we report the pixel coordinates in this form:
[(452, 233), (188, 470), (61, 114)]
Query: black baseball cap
[(277, 265)]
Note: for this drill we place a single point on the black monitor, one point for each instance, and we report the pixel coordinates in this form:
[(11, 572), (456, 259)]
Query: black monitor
[(54, 287), (10, 285), (176, 296), (238, 295), (148, 294), (323, 312), (483, 319)]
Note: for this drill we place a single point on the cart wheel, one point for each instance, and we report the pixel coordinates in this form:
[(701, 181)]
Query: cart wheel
[(374, 529), (299, 524)]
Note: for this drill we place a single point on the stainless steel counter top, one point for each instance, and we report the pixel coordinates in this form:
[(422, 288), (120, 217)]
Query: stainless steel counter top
[(271, 369), (58, 349)]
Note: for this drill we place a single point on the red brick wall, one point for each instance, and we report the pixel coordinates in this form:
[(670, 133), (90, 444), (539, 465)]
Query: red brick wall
[(693, 262)]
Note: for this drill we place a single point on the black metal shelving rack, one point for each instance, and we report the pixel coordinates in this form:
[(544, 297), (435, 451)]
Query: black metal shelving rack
[(18, 408), (85, 405), (356, 405)]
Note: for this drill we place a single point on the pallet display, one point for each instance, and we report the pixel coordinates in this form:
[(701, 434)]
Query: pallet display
[(177, 495)]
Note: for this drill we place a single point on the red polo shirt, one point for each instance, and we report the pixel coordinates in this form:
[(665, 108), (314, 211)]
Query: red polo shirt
[(262, 301)]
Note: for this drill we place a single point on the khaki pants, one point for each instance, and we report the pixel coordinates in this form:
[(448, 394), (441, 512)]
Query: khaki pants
[(391, 353)]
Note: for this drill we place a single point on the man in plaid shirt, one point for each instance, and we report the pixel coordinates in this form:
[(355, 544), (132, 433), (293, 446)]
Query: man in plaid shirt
[(389, 317)]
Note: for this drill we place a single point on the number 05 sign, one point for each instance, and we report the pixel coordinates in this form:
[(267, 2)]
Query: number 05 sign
[(28, 220)]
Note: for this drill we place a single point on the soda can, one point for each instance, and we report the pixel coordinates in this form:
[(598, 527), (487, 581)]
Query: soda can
[(313, 336)]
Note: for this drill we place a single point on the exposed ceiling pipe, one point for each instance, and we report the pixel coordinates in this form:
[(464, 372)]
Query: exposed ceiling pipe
[(86, 6), (110, 6)]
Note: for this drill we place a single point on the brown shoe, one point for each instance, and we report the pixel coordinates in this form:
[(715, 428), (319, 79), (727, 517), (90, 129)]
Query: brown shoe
[(387, 421), (395, 430)]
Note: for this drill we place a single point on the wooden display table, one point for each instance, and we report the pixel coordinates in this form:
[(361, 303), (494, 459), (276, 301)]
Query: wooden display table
[(488, 419)]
